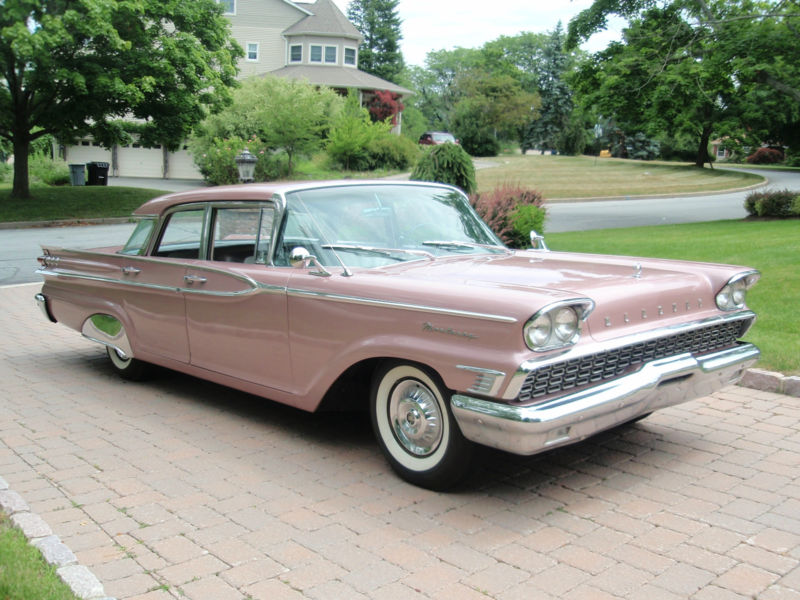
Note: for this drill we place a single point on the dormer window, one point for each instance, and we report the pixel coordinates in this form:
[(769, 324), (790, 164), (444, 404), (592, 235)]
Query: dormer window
[(330, 55), (350, 56), (316, 54), (296, 53), (229, 6)]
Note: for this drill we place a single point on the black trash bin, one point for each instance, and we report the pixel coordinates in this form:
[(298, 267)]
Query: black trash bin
[(98, 173)]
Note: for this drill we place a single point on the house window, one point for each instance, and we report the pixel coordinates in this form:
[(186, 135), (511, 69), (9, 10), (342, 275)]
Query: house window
[(330, 54), (316, 54), (252, 51), (229, 6), (296, 53), (350, 56)]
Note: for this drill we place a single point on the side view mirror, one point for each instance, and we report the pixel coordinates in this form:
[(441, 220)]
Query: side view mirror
[(300, 258), (537, 242)]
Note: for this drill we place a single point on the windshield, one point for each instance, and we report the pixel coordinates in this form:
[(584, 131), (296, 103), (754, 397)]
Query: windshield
[(383, 224)]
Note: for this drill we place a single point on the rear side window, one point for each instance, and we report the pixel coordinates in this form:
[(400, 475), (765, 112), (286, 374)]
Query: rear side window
[(182, 235), (242, 234)]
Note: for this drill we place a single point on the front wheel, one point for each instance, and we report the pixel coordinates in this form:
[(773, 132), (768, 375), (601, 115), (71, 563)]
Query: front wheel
[(415, 428), (126, 367)]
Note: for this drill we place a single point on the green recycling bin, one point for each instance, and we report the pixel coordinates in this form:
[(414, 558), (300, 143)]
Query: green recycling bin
[(77, 174)]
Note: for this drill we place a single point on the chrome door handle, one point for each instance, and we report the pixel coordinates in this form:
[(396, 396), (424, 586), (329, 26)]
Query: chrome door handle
[(190, 279), (131, 271)]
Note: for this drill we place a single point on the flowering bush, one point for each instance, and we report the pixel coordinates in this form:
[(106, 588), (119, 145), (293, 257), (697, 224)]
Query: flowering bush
[(511, 211), (765, 156)]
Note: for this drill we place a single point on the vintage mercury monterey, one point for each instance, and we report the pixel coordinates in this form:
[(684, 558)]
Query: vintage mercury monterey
[(397, 296)]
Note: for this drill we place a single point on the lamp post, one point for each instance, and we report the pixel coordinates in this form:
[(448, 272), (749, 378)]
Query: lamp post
[(246, 163)]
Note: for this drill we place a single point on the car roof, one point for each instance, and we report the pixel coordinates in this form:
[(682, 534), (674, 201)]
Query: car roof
[(255, 192)]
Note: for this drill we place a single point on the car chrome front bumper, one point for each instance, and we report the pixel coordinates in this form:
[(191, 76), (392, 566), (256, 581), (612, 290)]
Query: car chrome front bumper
[(574, 417)]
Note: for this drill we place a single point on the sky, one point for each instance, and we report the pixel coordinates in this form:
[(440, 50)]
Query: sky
[(446, 24)]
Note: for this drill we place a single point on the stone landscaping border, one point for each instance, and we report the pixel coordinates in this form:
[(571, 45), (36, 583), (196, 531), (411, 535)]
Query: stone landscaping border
[(769, 381), (80, 580)]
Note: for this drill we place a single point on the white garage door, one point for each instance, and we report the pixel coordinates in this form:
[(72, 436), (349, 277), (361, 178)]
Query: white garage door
[(181, 166), (135, 161), (84, 152)]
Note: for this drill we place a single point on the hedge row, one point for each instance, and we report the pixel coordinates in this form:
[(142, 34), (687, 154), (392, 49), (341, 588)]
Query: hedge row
[(781, 204)]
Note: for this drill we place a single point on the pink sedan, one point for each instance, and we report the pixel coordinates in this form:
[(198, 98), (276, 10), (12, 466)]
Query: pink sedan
[(396, 297)]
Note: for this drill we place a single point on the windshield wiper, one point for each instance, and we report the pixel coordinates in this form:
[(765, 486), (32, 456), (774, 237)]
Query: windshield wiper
[(390, 252), (457, 244)]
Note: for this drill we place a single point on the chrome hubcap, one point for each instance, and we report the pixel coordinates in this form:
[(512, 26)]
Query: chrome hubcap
[(415, 417)]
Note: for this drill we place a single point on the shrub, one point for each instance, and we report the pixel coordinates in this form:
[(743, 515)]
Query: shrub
[(775, 204), (216, 159), (391, 151), (52, 172), (511, 212), (796, 206), (5, 171), (352, 135), (765, 156), (446, 163)]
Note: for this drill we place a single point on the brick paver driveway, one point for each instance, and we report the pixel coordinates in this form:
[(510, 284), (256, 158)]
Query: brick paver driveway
[(177, 488)]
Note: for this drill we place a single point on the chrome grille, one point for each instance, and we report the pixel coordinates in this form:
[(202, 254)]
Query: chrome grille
[(603, 366)]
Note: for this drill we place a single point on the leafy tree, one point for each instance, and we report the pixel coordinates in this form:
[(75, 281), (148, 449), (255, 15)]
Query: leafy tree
[(379, 53), (736, 61), (70, 67), (435, 85), (385, 105), (492, 107), (352, 134), (292, 116), (662, 78)]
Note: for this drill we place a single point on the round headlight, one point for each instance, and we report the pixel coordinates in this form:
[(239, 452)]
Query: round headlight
[(565, 324), (739, 293), (724, 297), (538, 331)]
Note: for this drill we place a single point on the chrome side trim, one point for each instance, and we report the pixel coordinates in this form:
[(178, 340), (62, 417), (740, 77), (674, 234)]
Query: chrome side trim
[(517, 380), (487, 382), (400, 305), (254, 285), (572, 418)]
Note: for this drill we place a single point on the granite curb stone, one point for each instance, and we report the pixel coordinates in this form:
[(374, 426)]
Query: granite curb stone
[(80, 580), (769, 381)]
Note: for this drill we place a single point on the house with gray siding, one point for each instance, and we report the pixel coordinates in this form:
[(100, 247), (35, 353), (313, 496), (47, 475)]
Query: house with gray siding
[(307, 41)]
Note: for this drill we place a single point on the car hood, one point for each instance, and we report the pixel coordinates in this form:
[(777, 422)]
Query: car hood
[(629, 293)]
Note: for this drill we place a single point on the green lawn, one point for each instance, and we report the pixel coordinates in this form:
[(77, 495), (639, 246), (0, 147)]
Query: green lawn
[(772, 247), (79, 202), (24, 574), (588, 177)]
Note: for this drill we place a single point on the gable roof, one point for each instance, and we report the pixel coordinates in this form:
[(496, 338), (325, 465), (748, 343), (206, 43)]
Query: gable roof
[(324, 18)]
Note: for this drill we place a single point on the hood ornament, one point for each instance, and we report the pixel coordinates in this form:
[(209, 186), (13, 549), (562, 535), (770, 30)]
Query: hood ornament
[(637, 271)]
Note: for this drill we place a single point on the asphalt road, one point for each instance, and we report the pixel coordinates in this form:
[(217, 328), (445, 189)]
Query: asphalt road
[(20, 247)]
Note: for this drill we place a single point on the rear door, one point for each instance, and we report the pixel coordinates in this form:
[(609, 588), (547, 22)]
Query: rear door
[(236, 303)]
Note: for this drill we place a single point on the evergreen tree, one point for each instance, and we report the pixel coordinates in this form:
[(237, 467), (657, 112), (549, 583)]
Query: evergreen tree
[(557, 105), (379, 53)]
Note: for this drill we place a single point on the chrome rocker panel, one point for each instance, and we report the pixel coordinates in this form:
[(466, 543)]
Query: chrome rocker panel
[(569, 419)]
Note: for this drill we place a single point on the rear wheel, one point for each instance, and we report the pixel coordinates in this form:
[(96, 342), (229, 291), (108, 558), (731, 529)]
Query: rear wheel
[(415, 427), (126, 367)]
